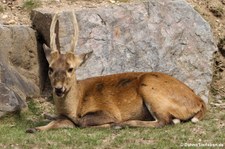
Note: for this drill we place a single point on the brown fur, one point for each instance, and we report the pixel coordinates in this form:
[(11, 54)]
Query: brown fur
[(137, 99)]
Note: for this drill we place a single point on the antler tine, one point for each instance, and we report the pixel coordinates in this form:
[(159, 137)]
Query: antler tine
[(76, 32), (52, 32)]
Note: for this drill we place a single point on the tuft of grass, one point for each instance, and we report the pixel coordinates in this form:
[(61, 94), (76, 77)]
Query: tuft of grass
[(221, 44), (1, 9), (217, 11), (31, 4), (124, 1)]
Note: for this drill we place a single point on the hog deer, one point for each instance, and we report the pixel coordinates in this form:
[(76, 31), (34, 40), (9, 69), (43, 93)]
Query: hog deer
[(133, 99)]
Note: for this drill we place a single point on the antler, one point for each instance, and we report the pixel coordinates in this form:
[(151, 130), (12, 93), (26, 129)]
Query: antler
[(52, 32), (74, 39), (76, 32)]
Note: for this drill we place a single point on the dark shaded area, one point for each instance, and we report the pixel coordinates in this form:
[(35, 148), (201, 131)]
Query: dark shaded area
[(154, 75), (100, 87), (221, 46), (124, 82), (44, 79)]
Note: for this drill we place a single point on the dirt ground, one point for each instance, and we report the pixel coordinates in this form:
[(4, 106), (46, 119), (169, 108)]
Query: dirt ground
[(16, 12), (214, 13)]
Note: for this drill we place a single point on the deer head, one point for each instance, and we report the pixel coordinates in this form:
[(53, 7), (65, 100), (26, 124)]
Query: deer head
[(62, 66)]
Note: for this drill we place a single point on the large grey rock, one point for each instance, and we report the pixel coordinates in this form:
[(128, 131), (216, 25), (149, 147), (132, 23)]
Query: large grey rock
[(10, 101), (157, 35), (20, 73)]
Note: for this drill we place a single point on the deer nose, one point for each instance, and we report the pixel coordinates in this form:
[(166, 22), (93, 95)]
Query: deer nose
[(59, 91)]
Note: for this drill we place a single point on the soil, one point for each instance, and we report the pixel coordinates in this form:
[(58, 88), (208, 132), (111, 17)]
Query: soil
[(214, 13), (16, 12)]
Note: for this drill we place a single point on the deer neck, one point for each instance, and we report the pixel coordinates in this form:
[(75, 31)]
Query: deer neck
[(68, 104)]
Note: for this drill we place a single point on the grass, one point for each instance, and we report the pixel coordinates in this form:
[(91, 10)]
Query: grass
[(31, 4), (123, 1), (1, 9), (217, 11), (12, 135)]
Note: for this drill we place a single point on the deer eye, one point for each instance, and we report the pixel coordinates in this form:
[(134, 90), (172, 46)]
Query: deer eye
[(50, 70), (70, 70)]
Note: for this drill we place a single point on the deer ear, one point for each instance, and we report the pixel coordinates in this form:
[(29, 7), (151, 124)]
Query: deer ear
[(50, 54), (81, 59), (47, 51)]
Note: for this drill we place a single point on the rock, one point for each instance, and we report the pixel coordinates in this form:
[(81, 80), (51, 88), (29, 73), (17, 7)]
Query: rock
[(20, 66), (10, 101), (19, 3), (223, 2), (113, 1), (10, 22), (157, 35), (4, 16)]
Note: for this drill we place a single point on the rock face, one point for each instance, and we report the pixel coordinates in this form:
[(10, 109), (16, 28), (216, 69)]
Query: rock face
[(157, 35), (20, 73)]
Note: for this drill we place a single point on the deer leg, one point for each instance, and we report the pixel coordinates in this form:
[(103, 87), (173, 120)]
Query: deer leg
[(59, 123), (96, 119), (138, 123), (50, 117), (102, 126), (161, 119)]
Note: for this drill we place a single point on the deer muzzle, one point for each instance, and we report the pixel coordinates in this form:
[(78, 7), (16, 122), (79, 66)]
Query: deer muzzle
[(60, 91)]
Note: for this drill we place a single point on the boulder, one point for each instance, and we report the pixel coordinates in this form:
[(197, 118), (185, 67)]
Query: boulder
[(20, 67), (10, 100), (155, 35)]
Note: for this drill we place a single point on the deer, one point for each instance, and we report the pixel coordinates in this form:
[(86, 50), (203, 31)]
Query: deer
[(129, 99)]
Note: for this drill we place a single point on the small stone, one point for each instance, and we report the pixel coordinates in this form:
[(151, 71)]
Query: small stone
[(223, 2), (176, 121), (18, 2), (19, 7), (194, 120), (117, 127), (112, 1), (16, 18), (4, 16), (13, 8), (11, 22), (31, 130)]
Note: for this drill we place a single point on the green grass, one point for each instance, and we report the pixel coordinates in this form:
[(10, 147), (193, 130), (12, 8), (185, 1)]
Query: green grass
[(31, 4), (12, 133), (1, 9)]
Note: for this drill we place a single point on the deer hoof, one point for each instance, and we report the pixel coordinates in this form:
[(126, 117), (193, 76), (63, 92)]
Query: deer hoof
[(31, 130)]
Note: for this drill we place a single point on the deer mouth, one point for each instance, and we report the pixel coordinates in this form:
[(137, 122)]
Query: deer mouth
[(60, 92)]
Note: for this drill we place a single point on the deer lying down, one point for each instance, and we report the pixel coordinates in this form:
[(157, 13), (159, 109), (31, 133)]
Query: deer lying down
[(134, 99)]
